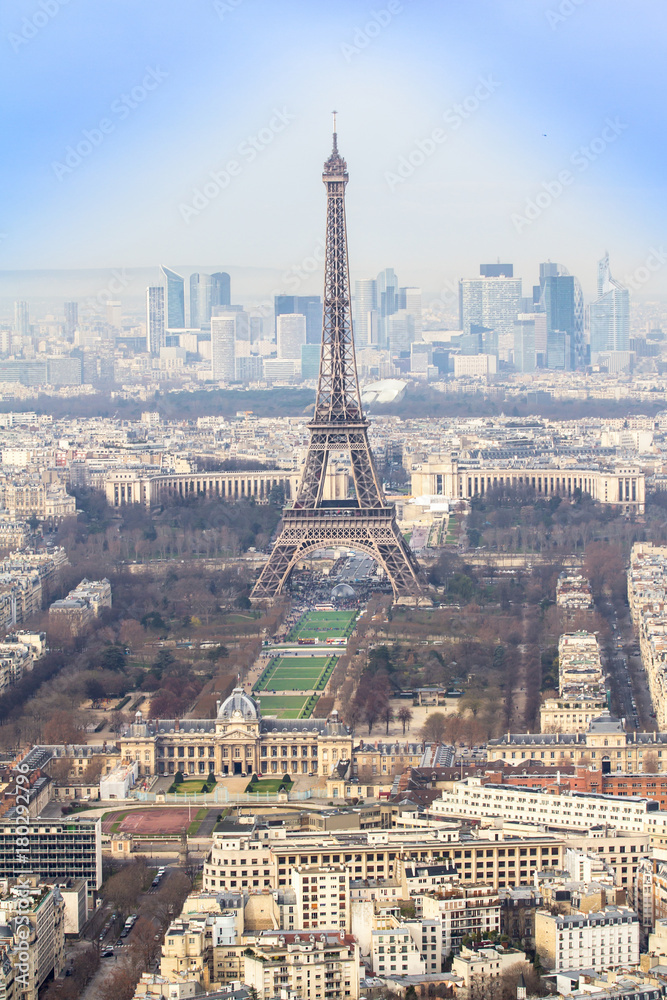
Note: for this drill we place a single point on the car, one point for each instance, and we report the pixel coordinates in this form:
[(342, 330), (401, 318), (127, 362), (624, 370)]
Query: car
[(107, 953), (102, 935), (155, 882)]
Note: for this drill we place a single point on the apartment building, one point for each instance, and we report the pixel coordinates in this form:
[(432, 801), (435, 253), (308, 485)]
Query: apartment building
[(395, 952), (316, 966), (605, 742), (604, 940), (573, 593), (255, 864), (57, 849), (479, 967), (44, 908), (322, 897), (462, 911)]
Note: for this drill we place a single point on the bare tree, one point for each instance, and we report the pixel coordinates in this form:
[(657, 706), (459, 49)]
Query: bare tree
[(404, 716), (387, 716)]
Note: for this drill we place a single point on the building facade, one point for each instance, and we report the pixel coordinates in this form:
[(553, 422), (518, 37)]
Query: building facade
[(238, 742)]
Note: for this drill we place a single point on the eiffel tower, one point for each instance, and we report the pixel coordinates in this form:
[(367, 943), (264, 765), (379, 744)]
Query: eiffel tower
[(366, 523)]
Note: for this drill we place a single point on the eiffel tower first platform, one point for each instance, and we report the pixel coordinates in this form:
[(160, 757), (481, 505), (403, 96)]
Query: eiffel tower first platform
[(366, 523)]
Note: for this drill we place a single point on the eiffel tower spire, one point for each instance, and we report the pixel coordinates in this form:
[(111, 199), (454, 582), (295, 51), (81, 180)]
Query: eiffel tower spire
[(365, 522)]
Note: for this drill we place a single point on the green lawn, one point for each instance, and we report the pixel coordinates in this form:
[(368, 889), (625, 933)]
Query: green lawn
[(188, 786), (321, 624), (284, 706), (267, 785), (293, 673)]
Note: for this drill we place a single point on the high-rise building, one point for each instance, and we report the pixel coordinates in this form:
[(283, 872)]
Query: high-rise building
[(21, 319), (496, 270), (223, 337), (291, 335), (71, 319), (562, 300), (365, 311), (114, 314), (410, 299), (524, 342), (155, 328), (200, 301), (220, 289), (400, 328), (559, 347), (492, 303), (309, 306), (387, 292), (174, 299), (310, 361), (610, 313)]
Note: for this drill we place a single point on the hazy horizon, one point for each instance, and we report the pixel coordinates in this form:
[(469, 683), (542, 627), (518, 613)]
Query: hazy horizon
[(456, 121)]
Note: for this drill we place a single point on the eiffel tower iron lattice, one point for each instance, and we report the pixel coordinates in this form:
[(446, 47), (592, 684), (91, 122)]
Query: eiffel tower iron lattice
[(367, 522)]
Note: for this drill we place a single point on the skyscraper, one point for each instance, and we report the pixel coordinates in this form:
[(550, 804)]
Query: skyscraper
[(291, 335), (365, 311), (155, 329), (524, 342), (200, 300), (309, 306), (492, 303), (496, 270), (223, 337), (71, 319), (21, 319), (610, 313), (410, 299), (174, 299), (220, 289), (561, 298)]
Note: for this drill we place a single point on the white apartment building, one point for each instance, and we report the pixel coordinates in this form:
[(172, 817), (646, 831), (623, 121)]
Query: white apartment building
[(394, 952), (322, 897), (604, 940), (571, 811), (462, 911), (480, 966), (319, 966)]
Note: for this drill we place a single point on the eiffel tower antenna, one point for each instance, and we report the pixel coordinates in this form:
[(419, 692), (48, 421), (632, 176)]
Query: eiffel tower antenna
[(365, 522)]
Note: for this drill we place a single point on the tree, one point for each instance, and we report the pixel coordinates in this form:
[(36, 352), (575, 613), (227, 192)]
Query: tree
[(387, 715), (120, 985), (650, 763), (95, 690), (371, 713), (404, 716), (111, 658), (434, 728), (60, 728)]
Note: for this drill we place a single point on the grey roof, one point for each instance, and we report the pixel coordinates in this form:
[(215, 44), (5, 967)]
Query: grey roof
[(241, 703)]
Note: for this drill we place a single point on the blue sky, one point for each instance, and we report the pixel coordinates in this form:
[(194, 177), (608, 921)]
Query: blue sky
[(539, 82)]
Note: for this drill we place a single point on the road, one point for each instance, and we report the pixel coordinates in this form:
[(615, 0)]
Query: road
[(629, 687)]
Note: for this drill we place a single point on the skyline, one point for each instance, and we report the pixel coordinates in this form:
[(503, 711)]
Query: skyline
[(525, 81)]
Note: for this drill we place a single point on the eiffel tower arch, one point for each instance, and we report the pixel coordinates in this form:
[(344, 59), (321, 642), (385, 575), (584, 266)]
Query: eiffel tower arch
[(365, 522)]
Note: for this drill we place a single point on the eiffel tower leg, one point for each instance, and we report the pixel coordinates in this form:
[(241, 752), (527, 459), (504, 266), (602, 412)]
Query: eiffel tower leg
[(382, 541), (276, 572)]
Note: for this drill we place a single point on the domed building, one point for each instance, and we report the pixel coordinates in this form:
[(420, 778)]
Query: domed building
[(239, 741)]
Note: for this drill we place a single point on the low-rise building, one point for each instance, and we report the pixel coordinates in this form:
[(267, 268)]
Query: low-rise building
[(478, 967), (602, 940)]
